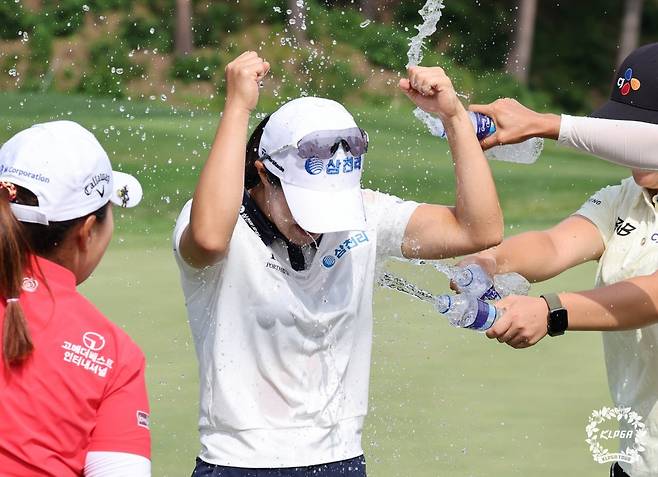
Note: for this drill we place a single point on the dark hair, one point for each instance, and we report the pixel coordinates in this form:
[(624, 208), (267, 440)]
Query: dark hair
[(18, 241), (251, 178)]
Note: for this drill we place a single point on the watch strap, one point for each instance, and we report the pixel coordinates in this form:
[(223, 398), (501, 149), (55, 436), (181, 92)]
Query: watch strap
[(553, 301)]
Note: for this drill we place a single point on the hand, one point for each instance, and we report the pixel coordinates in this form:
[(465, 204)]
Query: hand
[(524, 321), (432, 91), (486, 262), (242, 78), (515, 123)]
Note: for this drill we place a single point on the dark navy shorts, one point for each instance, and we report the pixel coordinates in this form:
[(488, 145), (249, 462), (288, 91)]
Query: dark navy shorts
[(617, 471), (345, 468)]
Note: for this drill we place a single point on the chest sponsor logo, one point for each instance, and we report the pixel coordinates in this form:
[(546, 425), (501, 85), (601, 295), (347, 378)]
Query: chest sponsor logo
[(623, 228), (87, 355), (143, 419), (328, 261), (274, 265)]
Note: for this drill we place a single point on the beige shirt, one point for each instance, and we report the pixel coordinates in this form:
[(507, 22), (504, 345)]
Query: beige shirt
[(626, 217)]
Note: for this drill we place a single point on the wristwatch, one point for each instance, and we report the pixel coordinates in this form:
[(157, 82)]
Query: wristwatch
[(558, 320)]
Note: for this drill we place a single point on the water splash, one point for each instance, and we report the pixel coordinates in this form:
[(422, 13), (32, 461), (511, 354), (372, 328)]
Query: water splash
[(431, 14), (399, 284)]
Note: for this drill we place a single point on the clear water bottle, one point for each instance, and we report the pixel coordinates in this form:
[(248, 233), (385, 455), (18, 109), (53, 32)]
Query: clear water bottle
[(466, 311), (526, 152), (473, 280)]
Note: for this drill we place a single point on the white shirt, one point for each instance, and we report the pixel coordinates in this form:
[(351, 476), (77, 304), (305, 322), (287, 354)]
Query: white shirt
[(284, 355), (627, 218)]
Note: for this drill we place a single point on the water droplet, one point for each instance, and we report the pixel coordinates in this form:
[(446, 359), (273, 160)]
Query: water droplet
[(119, 71), (13, 72), (277, 9), (365, 23), (300, 3), (122, 108), (292, 21), (163, 97), (85, 8), (152, 31)]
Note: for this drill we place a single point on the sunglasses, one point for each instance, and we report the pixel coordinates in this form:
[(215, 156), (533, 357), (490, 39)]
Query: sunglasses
[(324, 144)]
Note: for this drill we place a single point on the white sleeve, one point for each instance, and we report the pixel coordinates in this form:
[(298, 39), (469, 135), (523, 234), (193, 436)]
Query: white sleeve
[(116, 464), (627, 143), (391, 216)]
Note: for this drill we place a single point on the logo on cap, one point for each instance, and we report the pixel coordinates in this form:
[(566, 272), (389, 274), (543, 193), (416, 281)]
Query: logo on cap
[(627, 83), (97, 180), (314, 166)]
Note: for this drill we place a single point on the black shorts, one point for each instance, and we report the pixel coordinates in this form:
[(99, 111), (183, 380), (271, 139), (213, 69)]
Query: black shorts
[(355, 467), (617, 471)]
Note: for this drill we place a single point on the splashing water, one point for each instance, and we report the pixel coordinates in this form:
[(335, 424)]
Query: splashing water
[(399, 284), (431, 14)]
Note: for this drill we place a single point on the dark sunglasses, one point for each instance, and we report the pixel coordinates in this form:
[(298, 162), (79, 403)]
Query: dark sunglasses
[(324, 144)]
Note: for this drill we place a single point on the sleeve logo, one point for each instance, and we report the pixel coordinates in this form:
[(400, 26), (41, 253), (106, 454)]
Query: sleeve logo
[(143, 419)]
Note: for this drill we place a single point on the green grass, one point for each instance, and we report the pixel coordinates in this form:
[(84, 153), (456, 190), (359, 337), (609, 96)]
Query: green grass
[(443, 401)]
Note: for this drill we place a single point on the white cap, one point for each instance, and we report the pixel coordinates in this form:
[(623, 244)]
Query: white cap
[(67, 169), (323, 195)]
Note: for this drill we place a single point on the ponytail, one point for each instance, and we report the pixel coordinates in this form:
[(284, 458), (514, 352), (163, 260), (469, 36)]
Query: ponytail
[(14, 258)]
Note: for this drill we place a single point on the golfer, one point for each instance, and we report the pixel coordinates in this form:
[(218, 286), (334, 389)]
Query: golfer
[(617, 227), (277, 255), (72, 395)]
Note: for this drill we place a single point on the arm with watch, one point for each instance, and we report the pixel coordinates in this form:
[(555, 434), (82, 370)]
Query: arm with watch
[(545, 254)]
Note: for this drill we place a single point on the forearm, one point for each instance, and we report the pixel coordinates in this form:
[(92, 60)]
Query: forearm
[(218, 194), (630, 304), (627, 143), (531, 254), (477, 209)]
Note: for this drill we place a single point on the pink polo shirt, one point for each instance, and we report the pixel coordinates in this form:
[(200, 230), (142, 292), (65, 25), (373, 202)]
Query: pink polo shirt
[(81, 390)]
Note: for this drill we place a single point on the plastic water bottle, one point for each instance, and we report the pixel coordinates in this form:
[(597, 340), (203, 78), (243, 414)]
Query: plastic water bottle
[(526, 152), (473, 280), (466, 311)]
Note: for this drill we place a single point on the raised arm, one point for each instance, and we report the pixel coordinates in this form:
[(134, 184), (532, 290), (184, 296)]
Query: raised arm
[(476, 221), (218, 194), (627, 143)]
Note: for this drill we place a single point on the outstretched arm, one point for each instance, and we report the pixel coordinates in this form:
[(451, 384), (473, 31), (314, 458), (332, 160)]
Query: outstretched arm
[(218, 194), (626, 305), (476, 221), (627, 143)]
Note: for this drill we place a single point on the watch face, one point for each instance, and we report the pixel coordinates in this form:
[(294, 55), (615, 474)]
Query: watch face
[(557, 323)]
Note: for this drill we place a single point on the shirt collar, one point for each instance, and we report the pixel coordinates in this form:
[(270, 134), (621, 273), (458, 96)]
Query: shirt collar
[(268, 232)]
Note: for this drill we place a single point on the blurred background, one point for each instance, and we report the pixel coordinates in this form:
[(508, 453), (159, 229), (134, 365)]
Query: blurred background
[(146, 77)]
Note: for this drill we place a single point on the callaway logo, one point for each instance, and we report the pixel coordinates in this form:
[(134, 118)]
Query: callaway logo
[(95, 182)]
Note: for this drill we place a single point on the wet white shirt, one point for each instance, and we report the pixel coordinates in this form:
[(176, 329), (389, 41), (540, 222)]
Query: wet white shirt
[(627, 143), (284, 355), (626, 217)]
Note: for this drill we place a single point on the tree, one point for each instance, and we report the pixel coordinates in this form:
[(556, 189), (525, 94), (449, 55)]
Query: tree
[(183, 42), (520, 55), (630, 28), (297, 20)]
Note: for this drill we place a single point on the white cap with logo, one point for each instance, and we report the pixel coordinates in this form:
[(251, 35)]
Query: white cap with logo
[(324, 195), (67, 169)]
